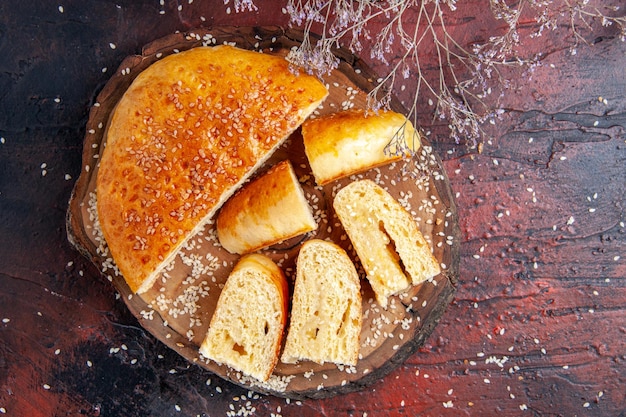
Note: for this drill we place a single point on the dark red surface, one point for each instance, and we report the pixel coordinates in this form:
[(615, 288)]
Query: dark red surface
[(538, 326)]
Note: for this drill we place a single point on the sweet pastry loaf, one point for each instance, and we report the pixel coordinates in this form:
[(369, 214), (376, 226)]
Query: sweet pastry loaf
[(247, 327), (189, 130), (392, 250), (326, 316), (348, 142), (266, 211)]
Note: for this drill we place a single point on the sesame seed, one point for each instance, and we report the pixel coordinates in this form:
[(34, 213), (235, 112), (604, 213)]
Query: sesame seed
[(112, 45), (61, 9)]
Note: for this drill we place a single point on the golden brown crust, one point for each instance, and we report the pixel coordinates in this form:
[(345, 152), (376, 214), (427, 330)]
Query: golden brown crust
[(348, 142), (187, 132), (266, 211)]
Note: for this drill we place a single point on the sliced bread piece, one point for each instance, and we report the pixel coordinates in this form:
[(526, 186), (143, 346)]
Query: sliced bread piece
[(348, 142), (266, 211), (326, 315), (247, 327), (390, 246)]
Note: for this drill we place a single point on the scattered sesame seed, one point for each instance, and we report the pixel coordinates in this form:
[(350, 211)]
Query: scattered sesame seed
[(46, 386), (112, 45), (61, 9), (6, 320)]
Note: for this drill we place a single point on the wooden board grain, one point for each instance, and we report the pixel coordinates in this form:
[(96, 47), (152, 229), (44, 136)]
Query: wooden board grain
[(177, 310)]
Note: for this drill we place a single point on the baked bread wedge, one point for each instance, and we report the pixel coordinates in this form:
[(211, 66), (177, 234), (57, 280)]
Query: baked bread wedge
[(189, 130), (392, 250), (266, 211), (326, 317), (352, 141), (246, 329)]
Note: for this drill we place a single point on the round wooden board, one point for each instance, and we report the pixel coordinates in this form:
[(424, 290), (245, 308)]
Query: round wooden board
[(177, 310)]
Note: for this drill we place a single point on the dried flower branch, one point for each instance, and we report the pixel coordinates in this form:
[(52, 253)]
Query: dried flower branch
[(412, 36)]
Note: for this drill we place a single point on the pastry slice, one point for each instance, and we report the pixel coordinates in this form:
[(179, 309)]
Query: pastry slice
[(326, 316), (352, 141), (247, 327), (189, 130), (392, 250), (266, 211)]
